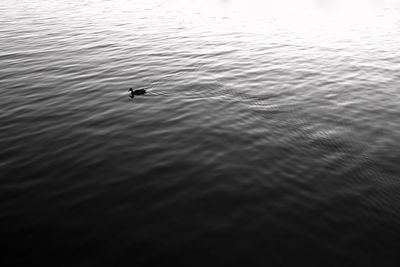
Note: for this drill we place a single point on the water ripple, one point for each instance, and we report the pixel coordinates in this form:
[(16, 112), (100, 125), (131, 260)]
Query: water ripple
[(250, 145)]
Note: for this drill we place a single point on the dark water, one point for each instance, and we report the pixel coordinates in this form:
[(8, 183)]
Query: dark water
[(258, 143)]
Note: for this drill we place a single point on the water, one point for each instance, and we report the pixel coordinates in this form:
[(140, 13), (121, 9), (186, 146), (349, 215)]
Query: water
[(264, 137)]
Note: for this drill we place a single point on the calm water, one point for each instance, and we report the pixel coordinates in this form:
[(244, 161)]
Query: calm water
[(262, 140)]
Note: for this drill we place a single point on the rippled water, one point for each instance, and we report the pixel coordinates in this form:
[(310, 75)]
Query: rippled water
[(261, 141)]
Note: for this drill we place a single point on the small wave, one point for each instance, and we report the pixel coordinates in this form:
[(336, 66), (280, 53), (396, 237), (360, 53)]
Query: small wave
[(211, 90)]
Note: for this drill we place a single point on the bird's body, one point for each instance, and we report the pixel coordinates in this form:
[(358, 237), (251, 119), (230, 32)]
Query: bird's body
[(136, 92)]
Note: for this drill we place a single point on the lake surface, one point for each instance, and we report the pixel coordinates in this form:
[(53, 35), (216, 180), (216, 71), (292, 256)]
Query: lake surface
[(269, 134)]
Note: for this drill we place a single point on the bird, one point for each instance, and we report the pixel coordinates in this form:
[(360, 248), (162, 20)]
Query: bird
[(136, 92)]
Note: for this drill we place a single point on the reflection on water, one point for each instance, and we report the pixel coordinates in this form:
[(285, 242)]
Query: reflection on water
[(311, 17), (268, 133)]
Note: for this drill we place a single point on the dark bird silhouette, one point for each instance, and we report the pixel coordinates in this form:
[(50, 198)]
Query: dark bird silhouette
[(136, 92)]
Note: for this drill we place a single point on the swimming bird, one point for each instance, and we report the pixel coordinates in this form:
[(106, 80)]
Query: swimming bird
[(136, 92)]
